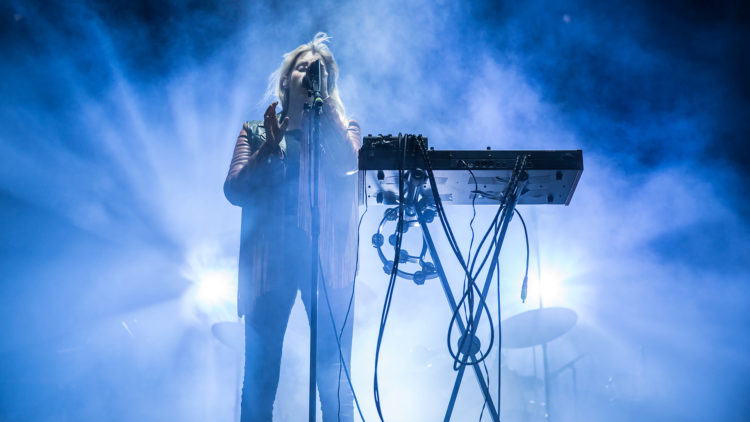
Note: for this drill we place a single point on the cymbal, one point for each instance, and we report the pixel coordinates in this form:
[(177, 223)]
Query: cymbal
[(230, 333), (535, 327)]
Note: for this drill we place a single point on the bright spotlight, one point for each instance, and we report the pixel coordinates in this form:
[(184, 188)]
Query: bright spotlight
[(550, 286), (214, 290)]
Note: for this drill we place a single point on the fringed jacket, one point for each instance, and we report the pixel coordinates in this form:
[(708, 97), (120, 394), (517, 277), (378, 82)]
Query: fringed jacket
[(254, 183)]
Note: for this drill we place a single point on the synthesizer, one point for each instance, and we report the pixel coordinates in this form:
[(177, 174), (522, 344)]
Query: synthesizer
[(465, 176)]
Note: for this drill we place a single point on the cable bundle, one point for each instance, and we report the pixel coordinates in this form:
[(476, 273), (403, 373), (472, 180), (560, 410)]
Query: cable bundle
[(472, 311), (394, 270)]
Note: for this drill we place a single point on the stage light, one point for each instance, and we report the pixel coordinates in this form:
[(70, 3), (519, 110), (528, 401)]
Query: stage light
[(214, 290), (550, 284)]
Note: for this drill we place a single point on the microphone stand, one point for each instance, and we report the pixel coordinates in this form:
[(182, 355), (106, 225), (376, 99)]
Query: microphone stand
[(313, 142)]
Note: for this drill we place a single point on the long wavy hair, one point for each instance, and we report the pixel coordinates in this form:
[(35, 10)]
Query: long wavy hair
[(319, 45)]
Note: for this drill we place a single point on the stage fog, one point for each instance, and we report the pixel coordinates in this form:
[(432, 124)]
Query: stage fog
[(118, 251)]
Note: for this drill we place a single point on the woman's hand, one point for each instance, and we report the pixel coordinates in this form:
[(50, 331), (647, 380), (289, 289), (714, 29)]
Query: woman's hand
[(274, 130)]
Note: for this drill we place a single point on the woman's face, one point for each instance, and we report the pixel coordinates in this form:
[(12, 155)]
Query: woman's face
[(296, 83)]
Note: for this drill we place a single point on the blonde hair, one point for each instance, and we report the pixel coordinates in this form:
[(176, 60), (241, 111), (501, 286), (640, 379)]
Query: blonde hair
[(319, 46)]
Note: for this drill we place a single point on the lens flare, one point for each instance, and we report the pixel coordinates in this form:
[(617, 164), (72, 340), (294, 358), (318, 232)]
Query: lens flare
[(213, 293)]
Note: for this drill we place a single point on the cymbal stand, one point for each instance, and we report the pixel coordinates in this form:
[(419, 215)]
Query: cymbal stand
[(547, 407), (572, 367)]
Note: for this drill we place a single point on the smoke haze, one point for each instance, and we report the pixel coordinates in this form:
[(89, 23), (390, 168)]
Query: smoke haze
[(117, 125)]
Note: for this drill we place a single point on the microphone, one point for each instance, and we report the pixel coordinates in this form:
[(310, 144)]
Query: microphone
[(313, 82)]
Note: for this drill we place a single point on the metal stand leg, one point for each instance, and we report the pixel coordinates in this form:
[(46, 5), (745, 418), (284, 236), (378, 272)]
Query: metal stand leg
[(452, 302), (506, 216)]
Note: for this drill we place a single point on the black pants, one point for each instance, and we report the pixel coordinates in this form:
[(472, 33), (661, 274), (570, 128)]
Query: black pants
[(265, 326)]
